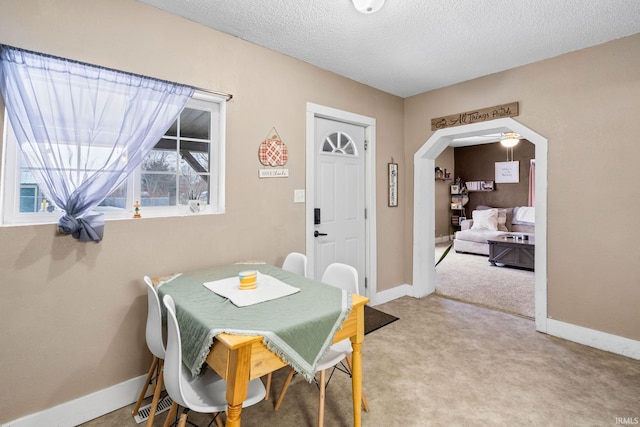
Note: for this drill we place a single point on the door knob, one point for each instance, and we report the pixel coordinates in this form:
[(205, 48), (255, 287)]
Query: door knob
[(317, 233)]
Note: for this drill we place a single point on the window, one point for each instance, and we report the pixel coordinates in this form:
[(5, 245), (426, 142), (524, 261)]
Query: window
[(339, 143), (187, 163)]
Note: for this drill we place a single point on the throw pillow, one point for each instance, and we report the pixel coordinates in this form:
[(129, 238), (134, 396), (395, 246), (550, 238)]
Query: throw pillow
[(485, 220), (524, 215), (504, 216), (502, 219)]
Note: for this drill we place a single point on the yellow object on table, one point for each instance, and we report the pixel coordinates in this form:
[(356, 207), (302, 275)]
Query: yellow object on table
[(248, 279)]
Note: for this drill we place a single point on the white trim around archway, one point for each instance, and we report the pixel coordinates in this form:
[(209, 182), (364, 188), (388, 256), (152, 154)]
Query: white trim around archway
[(424, 235), (424, 207)]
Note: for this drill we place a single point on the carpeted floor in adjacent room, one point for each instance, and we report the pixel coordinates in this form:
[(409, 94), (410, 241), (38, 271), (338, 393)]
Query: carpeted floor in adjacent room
[(471, 278)]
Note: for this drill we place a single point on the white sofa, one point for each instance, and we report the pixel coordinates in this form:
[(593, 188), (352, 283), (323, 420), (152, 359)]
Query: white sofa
[(470, 239)]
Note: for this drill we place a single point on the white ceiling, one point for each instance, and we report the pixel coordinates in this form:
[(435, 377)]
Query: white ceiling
[(413, 46)]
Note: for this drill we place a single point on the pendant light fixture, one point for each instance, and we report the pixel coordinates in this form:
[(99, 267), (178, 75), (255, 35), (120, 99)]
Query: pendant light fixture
[(368, 6), (509, 139)]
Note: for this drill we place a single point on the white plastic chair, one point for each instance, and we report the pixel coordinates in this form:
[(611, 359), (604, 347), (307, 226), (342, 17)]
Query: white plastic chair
[(341, 276), (205, 393), (344, 277), (155, 343), (296, 263)]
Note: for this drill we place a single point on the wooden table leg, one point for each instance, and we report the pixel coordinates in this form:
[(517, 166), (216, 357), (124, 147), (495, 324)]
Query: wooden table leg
[(237, 383), (356, 373), (365, 404), (356, 384)]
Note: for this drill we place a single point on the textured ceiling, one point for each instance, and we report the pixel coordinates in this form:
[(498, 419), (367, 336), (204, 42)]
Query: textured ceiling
[(413, 46)]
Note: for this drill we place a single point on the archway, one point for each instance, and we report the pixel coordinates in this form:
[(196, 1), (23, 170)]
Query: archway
[(424, 206)]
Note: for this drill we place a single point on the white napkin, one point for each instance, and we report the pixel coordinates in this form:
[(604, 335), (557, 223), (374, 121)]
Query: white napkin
[(267, 288)]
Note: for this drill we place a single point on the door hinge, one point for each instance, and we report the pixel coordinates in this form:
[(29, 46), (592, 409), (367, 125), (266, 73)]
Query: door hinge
[(366, 283), (366, 145), (365, 213)]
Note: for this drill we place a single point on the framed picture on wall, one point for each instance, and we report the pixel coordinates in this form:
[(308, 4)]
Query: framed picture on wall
[(508, 172), (486, 185), (393, 184)]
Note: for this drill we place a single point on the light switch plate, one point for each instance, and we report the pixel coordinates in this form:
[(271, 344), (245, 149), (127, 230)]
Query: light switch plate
[(298, 196)]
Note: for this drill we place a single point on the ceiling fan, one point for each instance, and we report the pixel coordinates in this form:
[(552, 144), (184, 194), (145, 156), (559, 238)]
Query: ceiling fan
[(485, 139)]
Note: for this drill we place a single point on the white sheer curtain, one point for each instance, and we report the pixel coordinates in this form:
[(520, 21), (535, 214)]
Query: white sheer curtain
[(83, 129)]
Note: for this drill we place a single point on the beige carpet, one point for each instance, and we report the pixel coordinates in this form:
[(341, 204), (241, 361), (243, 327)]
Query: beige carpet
[(472, 279), (446, 363)]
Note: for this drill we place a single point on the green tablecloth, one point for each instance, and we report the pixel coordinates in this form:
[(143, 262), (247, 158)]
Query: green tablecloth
[(299, 328)]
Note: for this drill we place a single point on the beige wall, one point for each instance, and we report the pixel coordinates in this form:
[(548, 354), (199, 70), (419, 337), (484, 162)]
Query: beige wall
[(585, 103), (477, 163), (73, 314)]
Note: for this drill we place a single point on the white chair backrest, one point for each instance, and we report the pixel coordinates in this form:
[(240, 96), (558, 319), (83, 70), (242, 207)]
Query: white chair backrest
[(173, 358), (341, 276), (154, 321), (296, 263)]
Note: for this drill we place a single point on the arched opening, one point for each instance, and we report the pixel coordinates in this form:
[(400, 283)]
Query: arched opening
[(424, 206)]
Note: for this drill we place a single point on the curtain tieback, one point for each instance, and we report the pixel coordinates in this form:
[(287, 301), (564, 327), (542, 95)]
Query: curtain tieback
[(89, 227)]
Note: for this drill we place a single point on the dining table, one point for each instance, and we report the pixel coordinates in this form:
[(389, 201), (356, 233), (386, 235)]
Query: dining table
[(246, 334)]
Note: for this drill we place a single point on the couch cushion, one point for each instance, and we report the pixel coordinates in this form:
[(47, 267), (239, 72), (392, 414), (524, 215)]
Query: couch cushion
[(485, 220), (526, 229), (478, 236)]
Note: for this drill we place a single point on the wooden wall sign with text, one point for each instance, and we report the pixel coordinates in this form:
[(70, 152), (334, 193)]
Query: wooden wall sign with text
[(475, 116)]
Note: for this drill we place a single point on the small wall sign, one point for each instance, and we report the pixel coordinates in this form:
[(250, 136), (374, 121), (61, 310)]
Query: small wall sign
[(508, 172), (273, 173), (393, 184), (475, 116)]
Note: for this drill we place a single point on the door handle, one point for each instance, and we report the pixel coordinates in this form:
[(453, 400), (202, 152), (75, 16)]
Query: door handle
[(317, 233)]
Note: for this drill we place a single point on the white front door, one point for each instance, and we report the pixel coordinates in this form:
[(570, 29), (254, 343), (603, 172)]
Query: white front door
[(339, 204)]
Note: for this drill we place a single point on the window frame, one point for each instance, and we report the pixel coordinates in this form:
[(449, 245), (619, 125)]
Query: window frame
[(10, 177)]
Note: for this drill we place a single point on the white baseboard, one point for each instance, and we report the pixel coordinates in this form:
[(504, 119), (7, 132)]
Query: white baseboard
[(581, 335), (391, 294), (596, 339), (85, 408)]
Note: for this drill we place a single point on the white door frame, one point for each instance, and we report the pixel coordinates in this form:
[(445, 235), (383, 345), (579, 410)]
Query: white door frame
[(424, 207), (313, 111)]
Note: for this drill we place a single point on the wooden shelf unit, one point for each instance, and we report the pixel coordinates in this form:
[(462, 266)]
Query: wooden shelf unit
[(479, 186)]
